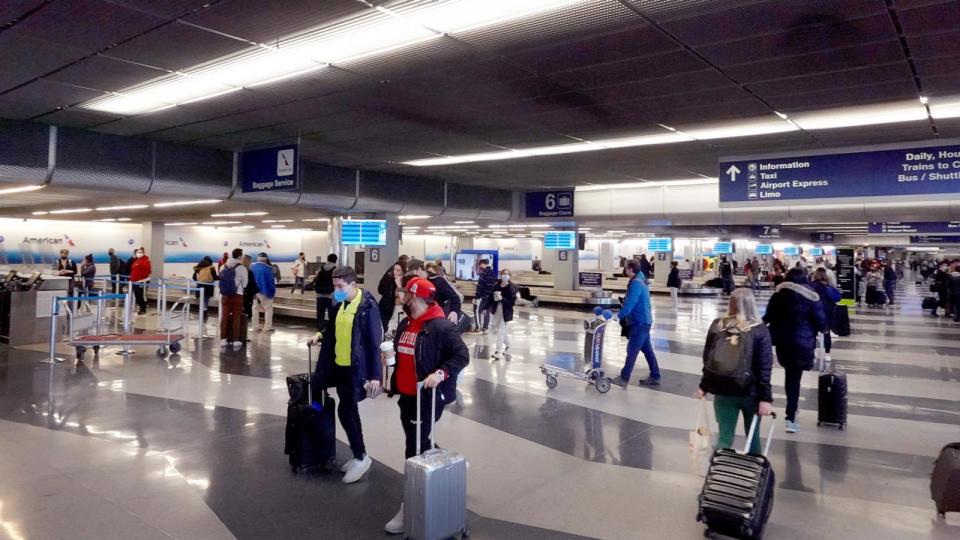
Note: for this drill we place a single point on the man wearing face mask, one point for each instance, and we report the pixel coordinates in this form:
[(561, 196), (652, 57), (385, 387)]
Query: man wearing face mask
[(67, 268), (350, 362), (140, 271), (429, 350), (445, 296)]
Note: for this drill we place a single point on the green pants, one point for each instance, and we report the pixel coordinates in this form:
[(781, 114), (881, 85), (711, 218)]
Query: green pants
[(727, 408)]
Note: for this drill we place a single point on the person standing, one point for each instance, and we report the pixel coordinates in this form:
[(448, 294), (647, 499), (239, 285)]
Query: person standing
[(874, 281), (266, 291), (223, 261), (726, 275), (889, 281), (116, 268), (483, 298), (249, 291), (88, 271), (323, 286), (233, 282), (795, 316), (140, 271), (940, 287), (504, 298), (391, 295), (68, 269), (350, 362), (673, 281), (637, 317), (645, 267), (829, 296), (299, 268), (205, 276)]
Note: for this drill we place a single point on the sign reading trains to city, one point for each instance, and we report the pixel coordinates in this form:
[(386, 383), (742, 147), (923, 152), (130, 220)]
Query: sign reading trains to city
[(915, 173), (269, 169), (550, 203)]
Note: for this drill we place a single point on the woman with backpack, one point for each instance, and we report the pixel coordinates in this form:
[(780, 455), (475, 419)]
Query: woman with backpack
[(829, 296), (737, 360), (205, 275)]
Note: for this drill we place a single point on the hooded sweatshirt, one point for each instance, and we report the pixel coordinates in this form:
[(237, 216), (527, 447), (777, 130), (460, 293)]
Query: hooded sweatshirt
[(241, 272), (263, 276), (407, 354)]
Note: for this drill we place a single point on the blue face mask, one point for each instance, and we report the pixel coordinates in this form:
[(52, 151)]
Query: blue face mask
[(339, 295)]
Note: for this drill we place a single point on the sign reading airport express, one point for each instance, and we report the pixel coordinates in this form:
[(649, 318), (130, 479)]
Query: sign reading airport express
[(914, 227), (269, 169), (904, 172), (550, 203)]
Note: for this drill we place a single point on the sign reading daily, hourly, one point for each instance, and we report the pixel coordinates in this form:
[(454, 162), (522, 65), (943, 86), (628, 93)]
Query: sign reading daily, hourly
[(844, 174), (269, 169)]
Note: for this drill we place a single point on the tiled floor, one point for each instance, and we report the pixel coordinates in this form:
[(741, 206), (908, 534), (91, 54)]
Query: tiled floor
[(191, 446)]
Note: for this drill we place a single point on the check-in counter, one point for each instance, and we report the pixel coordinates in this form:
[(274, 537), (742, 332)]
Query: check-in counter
[(25, 315)]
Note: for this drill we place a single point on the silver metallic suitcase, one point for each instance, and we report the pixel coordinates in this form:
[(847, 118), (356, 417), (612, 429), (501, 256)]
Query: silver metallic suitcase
[(435, 491)]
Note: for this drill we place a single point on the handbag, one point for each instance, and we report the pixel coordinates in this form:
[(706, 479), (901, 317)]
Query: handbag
[(700, 442), (624, 327)]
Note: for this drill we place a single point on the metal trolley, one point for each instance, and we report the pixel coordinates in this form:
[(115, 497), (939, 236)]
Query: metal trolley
[(591, 372)]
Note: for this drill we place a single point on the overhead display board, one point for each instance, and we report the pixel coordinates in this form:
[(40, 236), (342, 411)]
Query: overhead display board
[(843, 175), (550, 203), (763, 249), (935, 239), (816, 252), (659, 244), (846, 275), (269, 169), (723, 248), (791, 251), (914, 227), (560, 240), (363, 232)]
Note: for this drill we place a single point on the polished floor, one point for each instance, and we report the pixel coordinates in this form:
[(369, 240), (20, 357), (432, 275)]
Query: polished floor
[(191, 446)]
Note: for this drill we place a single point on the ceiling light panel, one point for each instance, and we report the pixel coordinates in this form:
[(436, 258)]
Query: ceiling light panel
[(884, 113)]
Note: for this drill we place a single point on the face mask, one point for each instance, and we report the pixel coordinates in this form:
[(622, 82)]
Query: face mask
[(340, 295), (505, 279)]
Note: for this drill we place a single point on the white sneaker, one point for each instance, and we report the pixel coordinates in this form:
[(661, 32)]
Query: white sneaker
[(223, 344), (496, 354), (395, 525), (237, 345), (346, 466), (357, 469)]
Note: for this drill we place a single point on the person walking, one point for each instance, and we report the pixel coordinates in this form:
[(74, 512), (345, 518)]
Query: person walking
[(504, 298), (298, 269), (88, 271), (742, 330), (874, 281), (266, 292), (140, 271), (483, 298), (430, 351), (673, 281), (349, 361), (391, 298), (205, 275), (233, 283), (636, 316), (795, 317), (323, 286), (889, 281), (726, 275), (829, 296), (940, 287), (116, 268)]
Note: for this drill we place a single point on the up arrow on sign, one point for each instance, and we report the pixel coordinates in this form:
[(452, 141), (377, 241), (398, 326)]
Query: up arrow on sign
[(733, 171)]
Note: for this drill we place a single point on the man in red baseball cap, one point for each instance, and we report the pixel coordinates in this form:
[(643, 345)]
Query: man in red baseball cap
[(429, 349)]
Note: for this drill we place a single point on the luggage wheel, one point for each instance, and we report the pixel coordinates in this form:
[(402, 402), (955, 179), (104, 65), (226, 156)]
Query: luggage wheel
[(162, 351), (175, 347), (603, 385), (551, 381), (707, 533), (465, 532), (80, 352)]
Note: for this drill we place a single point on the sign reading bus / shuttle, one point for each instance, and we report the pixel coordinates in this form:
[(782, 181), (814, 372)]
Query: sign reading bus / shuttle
[(893, 173)]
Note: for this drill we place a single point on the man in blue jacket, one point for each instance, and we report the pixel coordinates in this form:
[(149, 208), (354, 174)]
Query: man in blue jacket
[(263, 301), (637, 317), (350, 362)]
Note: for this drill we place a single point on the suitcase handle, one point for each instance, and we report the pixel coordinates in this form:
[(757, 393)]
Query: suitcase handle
[(309, 374), (433, 414), (753, 428)]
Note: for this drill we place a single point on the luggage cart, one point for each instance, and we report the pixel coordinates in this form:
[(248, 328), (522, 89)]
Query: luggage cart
[(591, 372), (84, 319)]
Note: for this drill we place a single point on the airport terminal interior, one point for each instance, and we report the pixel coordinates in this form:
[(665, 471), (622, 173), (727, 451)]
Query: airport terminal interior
[(511, 201)]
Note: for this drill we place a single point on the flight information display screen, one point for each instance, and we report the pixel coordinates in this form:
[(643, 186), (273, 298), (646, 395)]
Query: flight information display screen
[(816, 252), (659, 244), (792, 251), (560, 240), (764, 249), (364, 232), (723, 248)]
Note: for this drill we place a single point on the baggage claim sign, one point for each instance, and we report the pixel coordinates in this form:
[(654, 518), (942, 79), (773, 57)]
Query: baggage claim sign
[(844, 175)]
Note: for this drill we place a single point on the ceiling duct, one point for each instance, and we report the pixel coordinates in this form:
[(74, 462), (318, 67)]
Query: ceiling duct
[(326, 187), (24, 153), (100, 162), (192, 171)]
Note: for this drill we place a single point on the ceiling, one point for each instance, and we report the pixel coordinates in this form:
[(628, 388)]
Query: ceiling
[(595, 68)]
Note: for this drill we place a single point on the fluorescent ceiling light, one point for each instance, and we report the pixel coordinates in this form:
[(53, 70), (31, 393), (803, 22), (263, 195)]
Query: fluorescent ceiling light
[(278, 226), (464, 222), (414, 216), (277, 221), (240, 214), (644, 140), (182, 223), (124, 207), (316, 219), (760, 126), (106, 219), (23, 189), (40, 213), (868, 115), (72, 211), (123, 219), (942, 109), (221, 222), (652, 184), (186, 203)]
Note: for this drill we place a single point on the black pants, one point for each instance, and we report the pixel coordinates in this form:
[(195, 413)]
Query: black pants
[(827, 340), (324, 312), (347, 410), (408, 417), (139, 293), (791, 384)]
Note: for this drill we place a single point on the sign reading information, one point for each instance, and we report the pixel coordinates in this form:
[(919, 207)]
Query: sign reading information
[(914, 227), (903, 172), (269, 169)]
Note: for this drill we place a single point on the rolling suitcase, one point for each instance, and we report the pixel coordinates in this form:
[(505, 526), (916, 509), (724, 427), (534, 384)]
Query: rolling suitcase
[(737, 495), (832, 398), (310, 438), (841, 321), (929, 302), (465, 324), (435, 488), (945, 482)]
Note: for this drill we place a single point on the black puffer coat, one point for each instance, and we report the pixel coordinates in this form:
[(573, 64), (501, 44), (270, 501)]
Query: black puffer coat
[(795, 317)]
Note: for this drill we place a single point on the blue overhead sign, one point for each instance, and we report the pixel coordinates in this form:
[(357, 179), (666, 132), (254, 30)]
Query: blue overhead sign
[(765, 231), (914, 227), (935, 239), (269, 169), (914, 173), (550, 203)]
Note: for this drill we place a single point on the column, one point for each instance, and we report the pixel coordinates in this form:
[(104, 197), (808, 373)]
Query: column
[(564, 265), (386, 255), (154, 238), (607, 259)]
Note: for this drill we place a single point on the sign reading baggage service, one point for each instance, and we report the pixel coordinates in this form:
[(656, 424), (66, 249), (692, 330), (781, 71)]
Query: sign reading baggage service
[(550, 203), (911, 173), (269, 169)]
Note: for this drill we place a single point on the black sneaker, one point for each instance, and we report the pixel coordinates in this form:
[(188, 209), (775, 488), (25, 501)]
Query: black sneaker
[(649, 381), (619, 382)]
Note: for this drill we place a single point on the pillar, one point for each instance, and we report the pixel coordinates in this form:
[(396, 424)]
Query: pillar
[(564, 264), (388, 254), (607, 259), (154, 238)]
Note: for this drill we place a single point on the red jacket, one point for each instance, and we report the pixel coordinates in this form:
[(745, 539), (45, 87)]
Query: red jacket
[(140, 269)]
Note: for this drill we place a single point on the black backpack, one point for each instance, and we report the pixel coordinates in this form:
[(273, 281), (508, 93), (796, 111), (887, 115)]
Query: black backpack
[(728, 365), (324, 284)]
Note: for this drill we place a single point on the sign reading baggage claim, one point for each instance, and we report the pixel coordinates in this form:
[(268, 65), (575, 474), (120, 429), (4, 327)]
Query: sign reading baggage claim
[(269, 169), (843, 175)]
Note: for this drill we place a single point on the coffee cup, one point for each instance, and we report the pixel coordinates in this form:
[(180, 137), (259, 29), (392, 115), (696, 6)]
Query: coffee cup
[(388, 353)]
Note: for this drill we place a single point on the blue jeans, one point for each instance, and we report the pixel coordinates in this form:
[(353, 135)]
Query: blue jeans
[(639, 340), (889, 286)]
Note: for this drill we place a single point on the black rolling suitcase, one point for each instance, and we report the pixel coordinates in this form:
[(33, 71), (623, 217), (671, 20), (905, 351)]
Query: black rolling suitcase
[(737, 495), (311, 434), (841, 321), (832, 398)]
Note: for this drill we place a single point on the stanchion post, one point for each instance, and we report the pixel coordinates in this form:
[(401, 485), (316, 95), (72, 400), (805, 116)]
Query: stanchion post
[(200, 312), (126, 319), (53, 359)]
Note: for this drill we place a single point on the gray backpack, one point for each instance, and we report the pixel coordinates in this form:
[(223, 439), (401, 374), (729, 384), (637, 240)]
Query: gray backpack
[(728, 363)]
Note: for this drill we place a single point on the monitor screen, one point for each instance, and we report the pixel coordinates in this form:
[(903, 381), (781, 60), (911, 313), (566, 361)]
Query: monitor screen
[(791, 250), (560, 240), (764, 249), (659, 244), (467, 263), (364, 232), (723, 248), (816, 252)]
